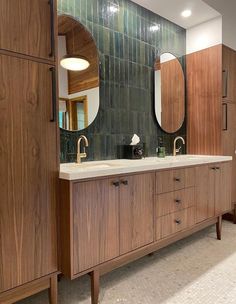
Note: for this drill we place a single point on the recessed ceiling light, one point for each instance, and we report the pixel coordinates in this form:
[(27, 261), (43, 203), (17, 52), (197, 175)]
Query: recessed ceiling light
[(186, 13)]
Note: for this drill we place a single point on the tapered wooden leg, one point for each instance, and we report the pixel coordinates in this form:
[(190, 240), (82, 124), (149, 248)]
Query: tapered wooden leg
[(219, 227), (53, 290), (95, 278)]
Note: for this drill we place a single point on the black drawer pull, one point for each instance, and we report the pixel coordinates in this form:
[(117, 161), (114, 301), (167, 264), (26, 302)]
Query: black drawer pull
[(124, 182), (213, 168), (178, 222), (54, 94), (116, 184), (177, 179), (52, 28), (178, 201)]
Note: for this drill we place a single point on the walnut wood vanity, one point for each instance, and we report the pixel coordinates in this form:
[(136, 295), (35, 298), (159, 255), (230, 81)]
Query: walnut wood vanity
[(108, 221)]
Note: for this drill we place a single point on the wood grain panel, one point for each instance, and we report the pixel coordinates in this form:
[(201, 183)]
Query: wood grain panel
[(29, 173), (175, 222), (229, 74), (205, 193), (136, 211), (25, 27), (172, 96), (204, 83), (223, 184), (174, 201), (80, 42), (170, 180), (95, 223)]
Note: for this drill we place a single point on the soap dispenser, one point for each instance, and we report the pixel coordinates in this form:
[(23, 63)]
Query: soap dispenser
[(161, 151)]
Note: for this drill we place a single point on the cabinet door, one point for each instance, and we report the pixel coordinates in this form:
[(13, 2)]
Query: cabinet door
[(95, 223), (205, 193), (29, 173), (229, 74), (229, 139), (223, 188), (136, 211), (26, 27)]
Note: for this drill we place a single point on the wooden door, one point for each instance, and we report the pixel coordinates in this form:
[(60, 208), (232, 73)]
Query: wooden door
[(95, 223), (29, 173), (204, 95), (229, 75), (27, 27), (205, 193), (136, 211), (229, 139), (223, 188)]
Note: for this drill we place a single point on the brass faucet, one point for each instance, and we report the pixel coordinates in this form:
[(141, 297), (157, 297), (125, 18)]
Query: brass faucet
[(79, 154), (176, 150)]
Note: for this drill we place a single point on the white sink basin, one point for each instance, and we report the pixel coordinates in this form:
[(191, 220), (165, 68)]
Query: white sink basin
[(90, 166)]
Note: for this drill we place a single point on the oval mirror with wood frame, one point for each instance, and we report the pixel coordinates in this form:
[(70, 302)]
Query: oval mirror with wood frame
[(169, 93), (78, 75)]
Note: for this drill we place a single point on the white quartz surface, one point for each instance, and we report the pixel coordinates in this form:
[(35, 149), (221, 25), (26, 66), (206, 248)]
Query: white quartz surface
[(73, 171)]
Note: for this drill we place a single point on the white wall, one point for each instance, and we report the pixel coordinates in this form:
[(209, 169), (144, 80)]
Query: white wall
[(228, 10), (93, 102), (204, 35)]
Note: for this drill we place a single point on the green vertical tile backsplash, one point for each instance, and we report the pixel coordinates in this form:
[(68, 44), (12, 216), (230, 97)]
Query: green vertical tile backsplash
[(127, 49)]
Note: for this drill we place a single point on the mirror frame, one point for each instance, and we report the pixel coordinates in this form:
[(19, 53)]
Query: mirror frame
[(183, 66)]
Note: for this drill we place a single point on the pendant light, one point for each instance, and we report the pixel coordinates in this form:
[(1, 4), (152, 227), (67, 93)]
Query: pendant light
[(74, 62)]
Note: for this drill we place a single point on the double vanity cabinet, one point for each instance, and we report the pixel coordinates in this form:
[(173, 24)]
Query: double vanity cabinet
[(112, 216)]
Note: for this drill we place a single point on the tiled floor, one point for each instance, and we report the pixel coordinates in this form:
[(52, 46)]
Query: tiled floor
[(197, 270)]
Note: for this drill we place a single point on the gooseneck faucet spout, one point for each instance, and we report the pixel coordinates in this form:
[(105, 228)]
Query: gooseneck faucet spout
[(175, 149), (83, 154)]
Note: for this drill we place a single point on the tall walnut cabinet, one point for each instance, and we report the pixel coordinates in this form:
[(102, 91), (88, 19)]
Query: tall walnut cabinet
[(211, 97), (29, 160)]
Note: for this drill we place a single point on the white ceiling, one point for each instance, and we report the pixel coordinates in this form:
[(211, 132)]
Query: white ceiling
[(171, 10)]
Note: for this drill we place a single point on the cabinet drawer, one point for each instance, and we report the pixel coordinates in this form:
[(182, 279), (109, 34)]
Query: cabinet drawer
[(171, 180), (174, 201), (176, 222)]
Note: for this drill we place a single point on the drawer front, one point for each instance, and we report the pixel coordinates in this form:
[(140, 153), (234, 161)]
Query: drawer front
[(171, 180), (167, 203), (176, 222)]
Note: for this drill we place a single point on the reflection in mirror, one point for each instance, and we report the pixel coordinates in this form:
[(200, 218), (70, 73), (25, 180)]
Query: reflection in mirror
[(169, 93), (78, 90)]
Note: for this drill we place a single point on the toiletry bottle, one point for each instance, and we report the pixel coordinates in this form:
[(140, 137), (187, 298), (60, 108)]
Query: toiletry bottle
[(161, 151)]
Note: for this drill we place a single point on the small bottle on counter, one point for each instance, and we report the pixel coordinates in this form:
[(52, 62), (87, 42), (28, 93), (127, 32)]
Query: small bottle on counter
[(161, 150)]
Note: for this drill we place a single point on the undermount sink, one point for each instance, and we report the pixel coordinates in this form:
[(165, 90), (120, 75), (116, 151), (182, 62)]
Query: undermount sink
[(91, 166)]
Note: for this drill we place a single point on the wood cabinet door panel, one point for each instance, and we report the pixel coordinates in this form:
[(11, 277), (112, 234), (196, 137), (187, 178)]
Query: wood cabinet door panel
[(223, 188), (25, 27), (29, 173), (205, 193), (175, 222), (95, 223), (229, 74), (174, 201), (136, 211)]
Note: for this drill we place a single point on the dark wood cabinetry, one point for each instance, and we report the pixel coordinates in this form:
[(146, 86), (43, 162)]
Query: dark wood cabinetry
[(29, 161), (95, 225), (107, 222), (29, 173), (211, 95), (27, 27), (136, 211)]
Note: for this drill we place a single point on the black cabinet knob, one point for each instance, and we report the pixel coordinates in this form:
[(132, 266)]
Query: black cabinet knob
[(124, 182), (177, 179), (178, 222), (116, 183), (178, 201)]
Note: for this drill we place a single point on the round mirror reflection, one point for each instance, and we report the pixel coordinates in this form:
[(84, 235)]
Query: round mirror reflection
[(78, 75), (169, 93)]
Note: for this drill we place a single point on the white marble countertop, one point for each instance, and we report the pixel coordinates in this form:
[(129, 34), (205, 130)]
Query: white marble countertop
[(73, 171)]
